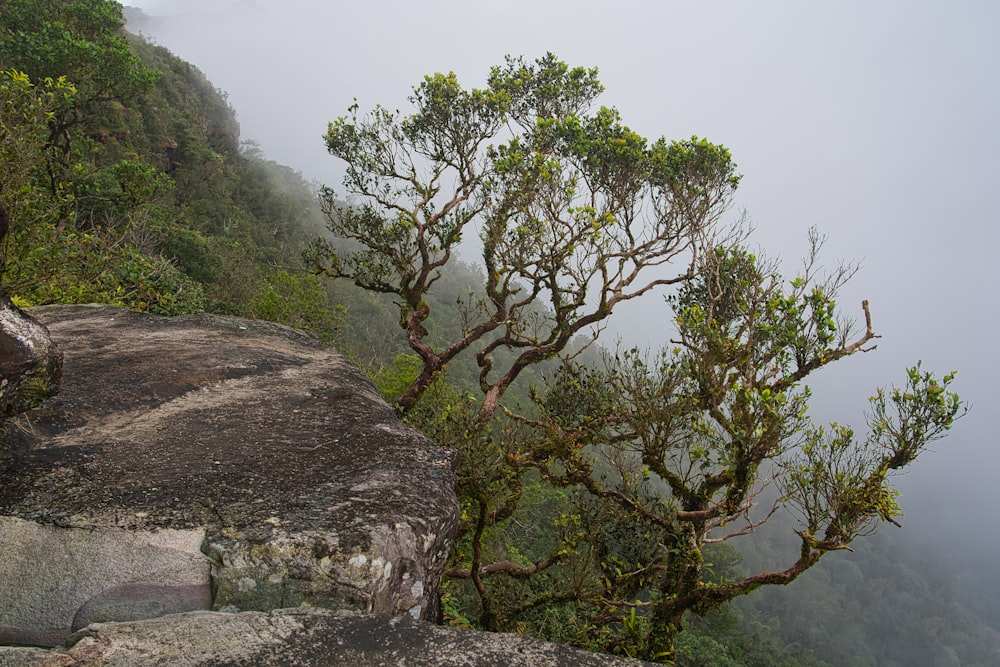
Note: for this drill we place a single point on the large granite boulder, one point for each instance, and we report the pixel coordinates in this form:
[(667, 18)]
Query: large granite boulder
[(30, 363), (300, 637), (206, 462)]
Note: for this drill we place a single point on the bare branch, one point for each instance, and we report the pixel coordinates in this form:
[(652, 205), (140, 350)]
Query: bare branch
[(506, 567)]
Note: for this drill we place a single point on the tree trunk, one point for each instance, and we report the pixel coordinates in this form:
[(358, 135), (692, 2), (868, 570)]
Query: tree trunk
[(666, 624)]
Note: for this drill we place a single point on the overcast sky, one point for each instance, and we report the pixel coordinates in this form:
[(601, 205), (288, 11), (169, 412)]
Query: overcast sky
[(876, 122)]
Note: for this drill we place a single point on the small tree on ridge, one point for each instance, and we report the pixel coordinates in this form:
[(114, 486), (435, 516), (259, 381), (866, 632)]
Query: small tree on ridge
[(595, 509)]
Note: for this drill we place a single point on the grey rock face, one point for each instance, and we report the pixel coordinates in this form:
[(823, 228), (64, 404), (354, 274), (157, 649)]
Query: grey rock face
[(131, 602), (30, 363), (57, 579), (299, 637), (300, 485)]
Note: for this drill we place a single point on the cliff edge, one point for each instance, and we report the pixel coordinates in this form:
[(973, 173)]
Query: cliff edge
[(212, 459), (208, 490)]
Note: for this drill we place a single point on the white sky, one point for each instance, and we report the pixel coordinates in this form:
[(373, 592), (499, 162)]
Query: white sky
[(877, 122)]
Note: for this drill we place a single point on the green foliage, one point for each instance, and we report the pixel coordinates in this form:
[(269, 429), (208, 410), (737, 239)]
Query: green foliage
[(80, 40), (701, 651), (897, 600), (123, 175), (192, 252), (661, 456), (294, 300), (574, 209), (391, 381), (837, 485), (80, 267), (26, 109), (587, 518), (50, 263), (124, 180)]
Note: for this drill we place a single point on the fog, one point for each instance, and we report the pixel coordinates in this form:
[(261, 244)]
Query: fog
[(877, 123)]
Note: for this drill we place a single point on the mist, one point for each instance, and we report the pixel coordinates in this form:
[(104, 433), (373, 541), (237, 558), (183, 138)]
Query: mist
[(873, 122)]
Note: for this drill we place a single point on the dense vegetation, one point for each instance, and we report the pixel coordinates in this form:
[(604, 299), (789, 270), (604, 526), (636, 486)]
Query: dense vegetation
[(133, 188), (127, 183)]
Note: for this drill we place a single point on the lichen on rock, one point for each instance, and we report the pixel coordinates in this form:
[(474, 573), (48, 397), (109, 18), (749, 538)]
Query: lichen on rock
[(204, 462)]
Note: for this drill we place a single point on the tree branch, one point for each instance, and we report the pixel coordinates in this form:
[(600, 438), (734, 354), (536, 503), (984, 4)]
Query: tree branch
[(506, 567)]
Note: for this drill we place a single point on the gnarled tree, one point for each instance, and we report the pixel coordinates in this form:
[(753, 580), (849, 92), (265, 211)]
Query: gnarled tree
[(587, 520), (577, 213), (677, 452)]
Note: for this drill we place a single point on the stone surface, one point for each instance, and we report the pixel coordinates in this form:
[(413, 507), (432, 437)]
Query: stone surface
[(30, 364), (294, 637), (306, 487), (54, 580)]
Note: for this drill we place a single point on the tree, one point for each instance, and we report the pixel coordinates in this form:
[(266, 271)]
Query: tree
[(576, 212), (44, 264), (676, 451), (588, 519), (79, 41), (24, 112)]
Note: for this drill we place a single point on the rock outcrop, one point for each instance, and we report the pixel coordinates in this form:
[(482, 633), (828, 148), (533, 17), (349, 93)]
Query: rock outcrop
[(58, 579), (300, 637), (30, 363), (209, 491), (205, 462)]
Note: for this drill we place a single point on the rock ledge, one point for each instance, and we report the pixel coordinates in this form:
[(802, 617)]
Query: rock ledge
[(211, 462)]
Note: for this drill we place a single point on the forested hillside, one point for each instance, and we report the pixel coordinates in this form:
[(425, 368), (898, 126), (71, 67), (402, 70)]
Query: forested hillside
[(138, 190), (894, 602), (128, 183)]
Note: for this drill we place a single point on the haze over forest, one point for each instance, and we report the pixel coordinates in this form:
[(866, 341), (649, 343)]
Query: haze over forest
[(872, 126), (873, 123)]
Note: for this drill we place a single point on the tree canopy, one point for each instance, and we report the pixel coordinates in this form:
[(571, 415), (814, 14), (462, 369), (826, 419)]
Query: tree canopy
[(575, 211), (124, 180)]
